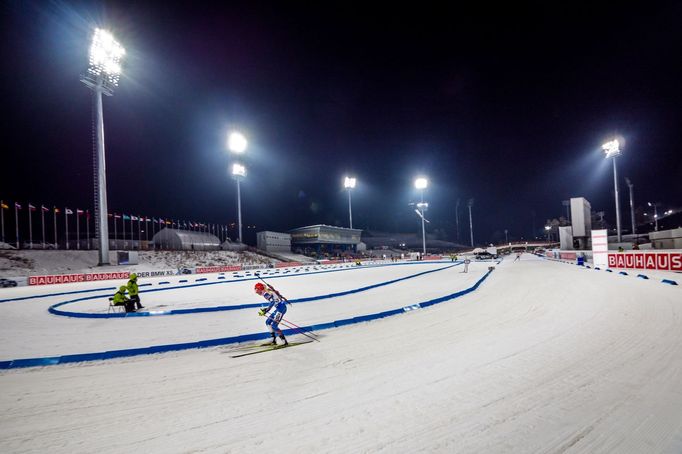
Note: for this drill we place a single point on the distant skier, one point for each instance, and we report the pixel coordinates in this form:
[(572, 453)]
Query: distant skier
[(133, 291), (280, 308), (518, 256), (466, 265)]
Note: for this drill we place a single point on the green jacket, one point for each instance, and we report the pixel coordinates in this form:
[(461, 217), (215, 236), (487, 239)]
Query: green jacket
[(120, 298), (132, 288)]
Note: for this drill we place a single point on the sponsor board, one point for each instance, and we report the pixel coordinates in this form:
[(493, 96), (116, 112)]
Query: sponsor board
[(667, 261), (217, 269), (287, 264), (71, 278), (568, 255), (156, 273)]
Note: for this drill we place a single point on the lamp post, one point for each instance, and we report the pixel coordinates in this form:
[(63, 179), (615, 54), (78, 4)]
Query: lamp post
[(102, 77), (421, 184), (655, 205), (471, 222), (239, 172), (349, 183), (548, 230), (612, 150), (237, 143), (632, 204)]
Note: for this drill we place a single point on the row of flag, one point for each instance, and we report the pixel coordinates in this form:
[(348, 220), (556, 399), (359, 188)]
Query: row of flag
[(217, 229)]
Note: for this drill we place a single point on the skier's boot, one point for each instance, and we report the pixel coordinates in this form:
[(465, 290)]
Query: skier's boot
[(284, 340), (274, 339)]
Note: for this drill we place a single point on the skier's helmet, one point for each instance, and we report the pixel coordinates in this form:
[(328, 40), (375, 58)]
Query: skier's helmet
[(259, 287), (123, 288), (133, 276)]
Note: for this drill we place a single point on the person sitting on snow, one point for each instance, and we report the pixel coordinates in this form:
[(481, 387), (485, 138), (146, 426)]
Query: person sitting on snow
[(120, 299)]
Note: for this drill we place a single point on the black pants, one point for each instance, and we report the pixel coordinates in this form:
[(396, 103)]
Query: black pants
[(128, 305), (135, 299)]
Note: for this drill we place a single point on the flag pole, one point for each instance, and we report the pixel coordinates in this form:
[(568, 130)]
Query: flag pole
[(16, 222), (2, 219), (66, 221), (87, 228), (54, 218), (30, 227), (78, 230), (42, 222)]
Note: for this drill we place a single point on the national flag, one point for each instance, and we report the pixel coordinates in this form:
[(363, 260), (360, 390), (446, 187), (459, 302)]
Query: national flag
[(56, 210), (117, 216), (68, 211), (79, 212), (17, 206), (126, 217), (4, 206), (31, 207), (156, 221), (133, 218), (44, 208), (169, 223)]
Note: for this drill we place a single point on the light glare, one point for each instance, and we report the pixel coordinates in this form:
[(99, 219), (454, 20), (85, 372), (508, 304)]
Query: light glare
[(421, 183), (236, 142)]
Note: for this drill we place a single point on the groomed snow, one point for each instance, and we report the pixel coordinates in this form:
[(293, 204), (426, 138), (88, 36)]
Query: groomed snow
[(543, 357)]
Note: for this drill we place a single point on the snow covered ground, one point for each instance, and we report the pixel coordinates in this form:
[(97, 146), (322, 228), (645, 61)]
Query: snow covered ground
[(542, 357)]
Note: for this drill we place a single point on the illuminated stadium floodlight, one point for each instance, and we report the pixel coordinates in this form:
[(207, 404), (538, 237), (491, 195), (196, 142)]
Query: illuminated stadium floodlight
[(548, 230), (239, 172), (349, 183), (612, 150), (421, 183), (236, 142), (102, 76)]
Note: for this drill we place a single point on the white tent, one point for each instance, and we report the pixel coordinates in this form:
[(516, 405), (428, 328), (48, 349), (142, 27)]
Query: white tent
[(185, 240)]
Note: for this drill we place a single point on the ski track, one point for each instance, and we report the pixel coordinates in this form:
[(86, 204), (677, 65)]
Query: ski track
[(542, 358)]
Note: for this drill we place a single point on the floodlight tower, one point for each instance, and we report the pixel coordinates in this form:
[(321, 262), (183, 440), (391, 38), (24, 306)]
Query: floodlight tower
[(237, 143), (421, 183), (612, 150), (471, 222), (102, 77), (239, 172), (349, 183)]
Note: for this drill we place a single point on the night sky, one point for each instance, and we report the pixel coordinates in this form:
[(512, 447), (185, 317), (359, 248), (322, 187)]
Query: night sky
[(506, 105)]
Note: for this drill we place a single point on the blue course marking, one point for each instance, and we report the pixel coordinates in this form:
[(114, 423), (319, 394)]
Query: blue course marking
[(97, 356), (642, 276), (53, 309), (669, 281), (623, 273)]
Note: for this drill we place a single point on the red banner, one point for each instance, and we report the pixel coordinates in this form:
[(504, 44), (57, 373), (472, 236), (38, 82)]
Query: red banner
[(287, 264), (568, 255), (218, 269), (669, 261), (70, 278)]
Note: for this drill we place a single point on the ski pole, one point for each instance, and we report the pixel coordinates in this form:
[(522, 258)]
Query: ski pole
[(274, 289), (294, 325), (299, 331)]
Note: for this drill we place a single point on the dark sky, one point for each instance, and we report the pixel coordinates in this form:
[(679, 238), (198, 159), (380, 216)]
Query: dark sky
[(508, 105)]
